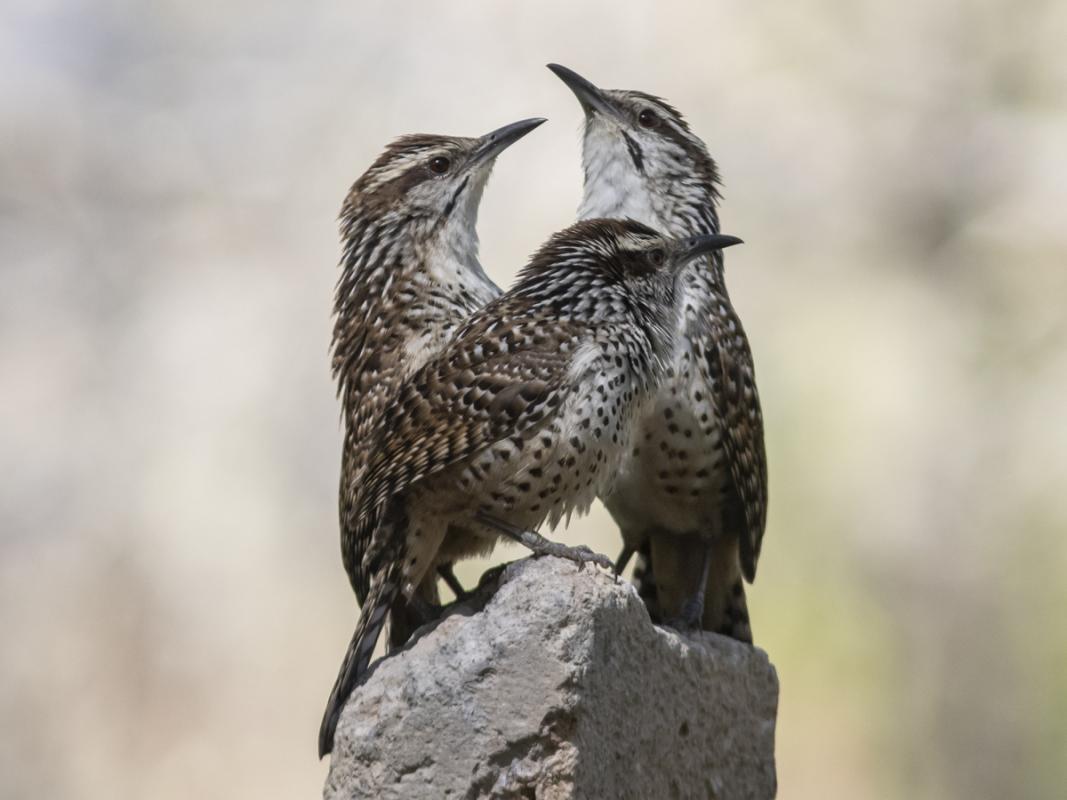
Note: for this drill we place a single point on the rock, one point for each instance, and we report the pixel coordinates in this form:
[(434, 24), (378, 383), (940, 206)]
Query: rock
[(560, 687)]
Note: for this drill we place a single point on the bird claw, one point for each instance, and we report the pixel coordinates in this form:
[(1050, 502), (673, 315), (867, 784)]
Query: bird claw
[(489, 577), (581, 555), (540, 546), (680, 624), (689, 620)]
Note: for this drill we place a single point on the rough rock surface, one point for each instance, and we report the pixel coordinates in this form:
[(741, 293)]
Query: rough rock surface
[(560, 687)]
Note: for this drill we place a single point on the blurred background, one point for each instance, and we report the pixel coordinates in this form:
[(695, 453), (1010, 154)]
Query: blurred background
[(172, 603)]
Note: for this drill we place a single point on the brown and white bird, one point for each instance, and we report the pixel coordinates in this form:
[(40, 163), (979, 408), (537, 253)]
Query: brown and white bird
[(692, 497), (410, 276), (523, 417)]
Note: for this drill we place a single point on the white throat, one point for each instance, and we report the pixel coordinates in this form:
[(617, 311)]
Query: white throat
[(613, 186)]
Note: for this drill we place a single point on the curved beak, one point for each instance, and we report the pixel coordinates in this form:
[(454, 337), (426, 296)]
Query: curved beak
[(495, 142), (592, 99), (696, 246)]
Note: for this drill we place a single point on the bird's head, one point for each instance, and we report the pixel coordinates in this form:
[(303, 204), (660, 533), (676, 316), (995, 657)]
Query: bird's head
[(609, 271), (635, 140), (432, 182)]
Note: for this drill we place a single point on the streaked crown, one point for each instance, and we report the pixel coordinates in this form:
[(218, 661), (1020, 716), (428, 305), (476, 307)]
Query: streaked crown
[(611, 270)]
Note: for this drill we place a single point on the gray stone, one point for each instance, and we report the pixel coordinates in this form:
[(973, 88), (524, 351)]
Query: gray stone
[(560, 687)]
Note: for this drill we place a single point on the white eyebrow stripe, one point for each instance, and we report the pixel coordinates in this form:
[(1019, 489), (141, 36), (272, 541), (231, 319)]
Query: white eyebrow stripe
[(402, 162)]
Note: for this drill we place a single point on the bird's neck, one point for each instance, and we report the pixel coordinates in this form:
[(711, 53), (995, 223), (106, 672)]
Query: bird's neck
[(403, 289), (384, 259), (451, 259), (615, 190)]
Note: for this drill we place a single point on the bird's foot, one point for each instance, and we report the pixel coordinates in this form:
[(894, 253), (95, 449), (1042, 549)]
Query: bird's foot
[(446, 573), (491, 577), (540, 546), (690, 618), (425, 610), (581, 555)]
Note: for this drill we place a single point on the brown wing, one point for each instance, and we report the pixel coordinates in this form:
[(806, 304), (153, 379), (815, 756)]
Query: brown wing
[(738, 407), (365, 403), (477, 392)]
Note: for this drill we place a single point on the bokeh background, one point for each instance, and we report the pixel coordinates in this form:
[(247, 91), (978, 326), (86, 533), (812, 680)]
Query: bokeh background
[(172, 604)]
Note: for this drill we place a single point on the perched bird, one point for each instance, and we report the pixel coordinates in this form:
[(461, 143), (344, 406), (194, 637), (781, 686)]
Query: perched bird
[(523, 417), (692, 496), (410, 276)]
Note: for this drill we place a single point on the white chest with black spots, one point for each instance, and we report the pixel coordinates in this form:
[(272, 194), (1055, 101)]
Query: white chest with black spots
[(549, 472), (673, 477), (560, 467)]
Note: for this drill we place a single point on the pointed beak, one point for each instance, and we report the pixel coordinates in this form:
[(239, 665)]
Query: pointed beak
[(495, 142), (696, 246), (592, 99)]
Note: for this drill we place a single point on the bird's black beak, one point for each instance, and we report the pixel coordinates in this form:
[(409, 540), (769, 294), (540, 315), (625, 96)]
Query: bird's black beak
[(696, 246), (495, 142), (592, 98)]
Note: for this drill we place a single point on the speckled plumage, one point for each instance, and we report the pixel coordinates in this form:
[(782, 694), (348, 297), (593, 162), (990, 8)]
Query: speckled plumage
[(410, 276), (524, 416), (696, 480)]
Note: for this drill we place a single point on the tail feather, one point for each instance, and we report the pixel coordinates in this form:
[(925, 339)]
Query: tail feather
[(725, 608), (728, 614), (357, 658), (405, 616), (644, 580), (679, 560)]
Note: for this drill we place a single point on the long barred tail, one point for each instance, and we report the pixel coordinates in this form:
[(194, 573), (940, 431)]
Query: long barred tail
[(383, 592), (732, 619), (725, 607)]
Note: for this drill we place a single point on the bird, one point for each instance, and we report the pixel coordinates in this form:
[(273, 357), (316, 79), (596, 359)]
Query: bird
[(522, 417), (410, 275), (692, 496)]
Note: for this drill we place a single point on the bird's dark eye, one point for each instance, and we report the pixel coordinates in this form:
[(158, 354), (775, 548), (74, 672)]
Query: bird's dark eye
[(656, 257), (440, 165), (648, 118)]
